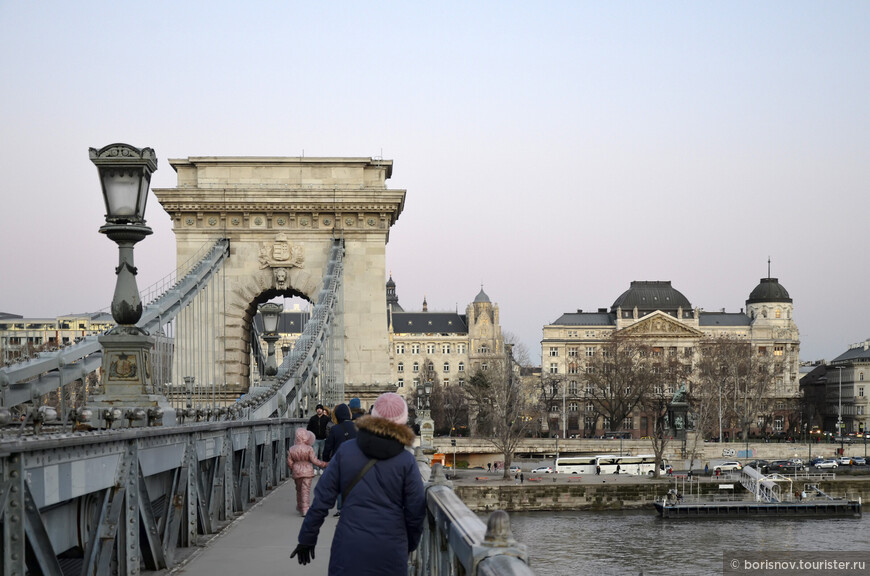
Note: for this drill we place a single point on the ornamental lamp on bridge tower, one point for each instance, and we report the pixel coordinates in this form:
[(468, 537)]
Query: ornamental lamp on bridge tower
[(125, 176), (271, 313)]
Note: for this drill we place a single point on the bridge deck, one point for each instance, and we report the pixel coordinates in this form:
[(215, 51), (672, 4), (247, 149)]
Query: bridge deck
[(260, 541)]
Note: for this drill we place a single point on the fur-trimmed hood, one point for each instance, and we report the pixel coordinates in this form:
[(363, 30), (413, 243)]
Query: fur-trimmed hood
[(381, 438)]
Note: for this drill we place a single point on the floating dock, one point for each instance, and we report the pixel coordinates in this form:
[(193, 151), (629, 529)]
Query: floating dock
[(750, 509)]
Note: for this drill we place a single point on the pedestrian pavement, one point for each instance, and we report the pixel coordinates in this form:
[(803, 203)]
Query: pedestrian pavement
[(259, 542)]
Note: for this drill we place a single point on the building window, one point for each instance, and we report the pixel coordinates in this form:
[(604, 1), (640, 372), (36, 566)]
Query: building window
[(415, 348), (415, 367), (860, 376), (400, 348), (589, 421), (446, 367), (777, 350), (589, 389), (461, 367), (484, 366), (861, 391), (572, 387), (462, 381), (762, 350), (400, 367), (778, 313), (445, 348), (554, 408), (554, 368), (590, 351), (430, 348), (590, 369), (401, 383), (554, 352), (628, 423), (573, 407), (778, 422), (431, 366), (446, 382), (572, 352), (483, 349), (460, 348), (590, 407), (572, 368)]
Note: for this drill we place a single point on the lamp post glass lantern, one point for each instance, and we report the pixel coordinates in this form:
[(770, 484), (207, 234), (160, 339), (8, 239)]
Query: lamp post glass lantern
[(125, 175), (270, 313)]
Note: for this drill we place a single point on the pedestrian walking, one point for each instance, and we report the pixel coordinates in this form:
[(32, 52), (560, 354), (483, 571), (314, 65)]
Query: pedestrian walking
[(342, 430), (598, 470), (356, 410), (301, 459), (489, 466), (516, 478), (384, 501), (522, 477), (617, 469), (319, 426)]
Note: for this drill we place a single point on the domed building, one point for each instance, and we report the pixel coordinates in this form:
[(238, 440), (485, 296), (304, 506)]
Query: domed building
[(670, 326)]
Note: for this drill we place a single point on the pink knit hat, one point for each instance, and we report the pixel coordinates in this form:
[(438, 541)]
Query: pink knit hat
[(392, 407)]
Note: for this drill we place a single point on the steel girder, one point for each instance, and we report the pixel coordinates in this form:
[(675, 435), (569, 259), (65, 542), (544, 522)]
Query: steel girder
[(131, 500)]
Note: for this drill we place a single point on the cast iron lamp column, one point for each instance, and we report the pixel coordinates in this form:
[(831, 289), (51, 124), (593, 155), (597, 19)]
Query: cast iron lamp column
[(271, 312), (125, 176)]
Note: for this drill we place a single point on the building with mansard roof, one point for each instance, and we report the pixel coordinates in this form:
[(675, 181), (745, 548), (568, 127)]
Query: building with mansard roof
[(669, 323), (443, 346)]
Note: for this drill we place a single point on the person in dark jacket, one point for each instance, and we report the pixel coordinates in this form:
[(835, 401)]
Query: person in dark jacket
[(342, 429), (384, 512), (356, 410), (319, 425)]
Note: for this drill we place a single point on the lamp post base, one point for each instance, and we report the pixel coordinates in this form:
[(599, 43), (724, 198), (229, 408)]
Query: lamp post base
[(128, 391)]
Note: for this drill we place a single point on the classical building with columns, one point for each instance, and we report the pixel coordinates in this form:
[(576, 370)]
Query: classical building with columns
[(670, 324), (444, 346)]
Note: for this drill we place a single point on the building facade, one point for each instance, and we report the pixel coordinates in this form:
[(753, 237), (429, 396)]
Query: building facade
[(670, 326), (447, 347), (847, 391), (21, 338)]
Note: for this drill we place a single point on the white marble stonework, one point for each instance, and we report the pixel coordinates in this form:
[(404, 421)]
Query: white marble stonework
[(281, 215)]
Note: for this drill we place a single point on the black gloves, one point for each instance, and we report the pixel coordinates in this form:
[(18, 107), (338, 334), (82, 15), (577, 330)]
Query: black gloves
[(306, 553)]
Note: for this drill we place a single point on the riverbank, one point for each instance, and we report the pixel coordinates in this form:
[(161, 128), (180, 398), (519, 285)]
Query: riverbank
[(596, 493)]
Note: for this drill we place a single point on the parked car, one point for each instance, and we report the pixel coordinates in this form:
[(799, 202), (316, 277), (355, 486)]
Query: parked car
[(514, 469), (760, 465), (784, 466), (728, 467), (816, 460), (844, 461), (827, 464), (859, 461), (542, 470)]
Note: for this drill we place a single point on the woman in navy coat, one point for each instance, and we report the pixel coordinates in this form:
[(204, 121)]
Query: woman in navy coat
[(382, 517)]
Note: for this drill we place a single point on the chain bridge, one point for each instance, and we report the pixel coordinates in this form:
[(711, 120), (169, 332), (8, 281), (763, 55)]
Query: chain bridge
[(191, 418)]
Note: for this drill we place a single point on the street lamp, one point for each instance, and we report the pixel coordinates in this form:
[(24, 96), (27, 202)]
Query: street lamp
[(125, 175), (840, 409), (271, 312)]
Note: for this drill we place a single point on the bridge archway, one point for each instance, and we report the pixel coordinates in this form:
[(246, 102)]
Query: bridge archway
[(282, 216)]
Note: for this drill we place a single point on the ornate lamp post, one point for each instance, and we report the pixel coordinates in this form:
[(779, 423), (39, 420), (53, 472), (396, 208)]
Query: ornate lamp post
[(271, 313), (125, 176)]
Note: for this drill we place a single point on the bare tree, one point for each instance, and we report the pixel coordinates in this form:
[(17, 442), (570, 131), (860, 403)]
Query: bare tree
[(502, 405), (740, 380), (618, 377), (668, 373), (549, 394), (449, 408)]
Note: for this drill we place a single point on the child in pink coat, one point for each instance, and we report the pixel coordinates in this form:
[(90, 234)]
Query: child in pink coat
[(300, 458)]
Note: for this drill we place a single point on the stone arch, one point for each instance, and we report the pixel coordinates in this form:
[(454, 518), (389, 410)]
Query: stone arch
[(303, 204)]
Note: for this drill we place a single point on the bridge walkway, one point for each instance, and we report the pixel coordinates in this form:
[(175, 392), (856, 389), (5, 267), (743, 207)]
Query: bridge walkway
[(259, 542)]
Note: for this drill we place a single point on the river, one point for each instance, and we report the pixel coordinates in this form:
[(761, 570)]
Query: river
[(638, 541)]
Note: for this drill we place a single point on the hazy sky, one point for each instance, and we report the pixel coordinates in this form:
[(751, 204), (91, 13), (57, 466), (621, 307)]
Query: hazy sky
[(552, 151)]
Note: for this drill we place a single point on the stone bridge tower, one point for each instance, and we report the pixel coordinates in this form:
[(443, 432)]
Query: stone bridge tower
[(281, 216)]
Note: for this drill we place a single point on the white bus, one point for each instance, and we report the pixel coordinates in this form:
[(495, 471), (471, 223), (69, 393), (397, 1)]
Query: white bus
[(576, 465), (642, 465), (633, 465)]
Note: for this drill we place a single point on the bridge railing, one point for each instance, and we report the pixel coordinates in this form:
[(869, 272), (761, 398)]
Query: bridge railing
[(131, 500), (456, 541)]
